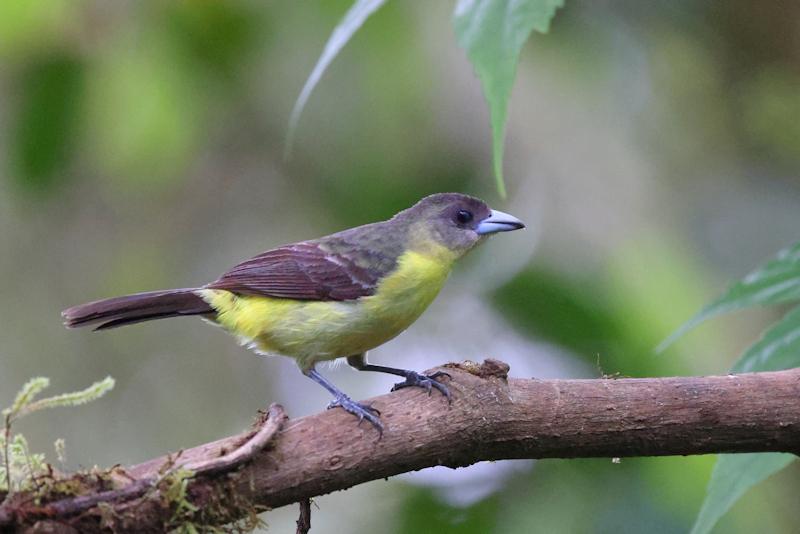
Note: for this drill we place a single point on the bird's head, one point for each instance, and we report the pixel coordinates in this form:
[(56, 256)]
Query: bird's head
[(456, 221)]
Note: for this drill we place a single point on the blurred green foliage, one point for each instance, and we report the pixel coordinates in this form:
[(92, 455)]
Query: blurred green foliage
[(51, 92), (218, 36), (422, 512), (556, 309), (770, 107)]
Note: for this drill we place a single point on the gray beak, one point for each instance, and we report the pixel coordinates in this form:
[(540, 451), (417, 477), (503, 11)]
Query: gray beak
[(498, 222)]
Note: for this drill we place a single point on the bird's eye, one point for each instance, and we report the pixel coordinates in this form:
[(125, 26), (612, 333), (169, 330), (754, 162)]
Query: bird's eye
[(463, 217)]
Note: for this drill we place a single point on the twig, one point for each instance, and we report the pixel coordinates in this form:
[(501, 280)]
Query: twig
[(304, 523), (246, 452), (6, 439)]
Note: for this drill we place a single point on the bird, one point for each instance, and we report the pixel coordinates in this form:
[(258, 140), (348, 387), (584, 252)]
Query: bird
[(333, 297)]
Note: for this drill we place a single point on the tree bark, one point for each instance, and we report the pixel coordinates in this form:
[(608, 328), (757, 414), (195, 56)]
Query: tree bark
[(491, 417)]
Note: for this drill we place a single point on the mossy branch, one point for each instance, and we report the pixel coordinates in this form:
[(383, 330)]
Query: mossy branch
[(14, 454), (492, 417)]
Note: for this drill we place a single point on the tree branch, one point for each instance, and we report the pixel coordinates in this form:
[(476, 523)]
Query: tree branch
[(491, 417)]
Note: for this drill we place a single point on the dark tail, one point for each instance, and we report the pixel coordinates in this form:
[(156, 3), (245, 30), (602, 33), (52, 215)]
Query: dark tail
[(131, 309)]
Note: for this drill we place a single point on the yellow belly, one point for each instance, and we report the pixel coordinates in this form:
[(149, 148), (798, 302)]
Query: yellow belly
[(312, 331)]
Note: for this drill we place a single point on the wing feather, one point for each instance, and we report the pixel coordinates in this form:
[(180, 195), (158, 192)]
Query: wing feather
[(308, 271)]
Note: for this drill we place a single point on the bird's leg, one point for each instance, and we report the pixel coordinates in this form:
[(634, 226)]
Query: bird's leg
[(412, 378), (361, 410)]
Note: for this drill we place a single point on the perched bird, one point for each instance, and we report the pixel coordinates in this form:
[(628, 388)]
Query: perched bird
[(333, 297)]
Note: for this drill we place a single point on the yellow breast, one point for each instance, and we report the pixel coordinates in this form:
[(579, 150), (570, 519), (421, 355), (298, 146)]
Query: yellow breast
[(313, 331)]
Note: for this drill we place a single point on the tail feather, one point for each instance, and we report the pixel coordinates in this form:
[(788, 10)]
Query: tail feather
[(131, 309)]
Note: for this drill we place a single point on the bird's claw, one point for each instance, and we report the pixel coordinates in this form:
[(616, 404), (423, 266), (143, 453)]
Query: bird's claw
[(359, 409), (424, 381)]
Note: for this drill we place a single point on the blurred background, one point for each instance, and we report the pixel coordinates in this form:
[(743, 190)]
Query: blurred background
[(653, 150)]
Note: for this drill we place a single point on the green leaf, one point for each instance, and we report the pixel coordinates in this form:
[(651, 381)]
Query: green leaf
[(779, 349), (735, 473), (352, 21), (492, 32), (775, 283), (732, 476)]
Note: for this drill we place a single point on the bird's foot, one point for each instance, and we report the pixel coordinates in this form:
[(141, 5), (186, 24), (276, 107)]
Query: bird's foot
[(424, 381), (359, 409)]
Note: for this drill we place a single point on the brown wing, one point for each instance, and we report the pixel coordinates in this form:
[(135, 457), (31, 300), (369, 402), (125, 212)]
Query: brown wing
[(305, 271)]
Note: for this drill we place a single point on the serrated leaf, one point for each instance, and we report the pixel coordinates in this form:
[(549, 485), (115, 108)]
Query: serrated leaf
[(342, 33), (732, 476), (779, 349), (492, 32), (775, 283)]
